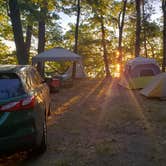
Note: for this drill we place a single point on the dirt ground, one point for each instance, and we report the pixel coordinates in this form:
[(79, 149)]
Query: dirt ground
[(98, 123)]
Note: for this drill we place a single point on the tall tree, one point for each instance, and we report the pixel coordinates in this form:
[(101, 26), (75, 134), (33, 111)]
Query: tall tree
[(14, 13), (144, 19), (39, 16), (77, 27), (28, 38), (105, 52), (138, 27), (100, 11), (41, 26), (120, 26), (164, 35), (29, 13), (76, 36)]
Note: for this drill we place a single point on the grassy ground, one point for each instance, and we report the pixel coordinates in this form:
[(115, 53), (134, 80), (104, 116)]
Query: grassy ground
[(98, 123)]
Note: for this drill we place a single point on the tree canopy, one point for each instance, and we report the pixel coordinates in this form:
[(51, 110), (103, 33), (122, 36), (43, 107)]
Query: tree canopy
[(106, 33)]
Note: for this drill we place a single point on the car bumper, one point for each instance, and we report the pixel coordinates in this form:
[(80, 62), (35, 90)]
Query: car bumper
[(12, 143), (17, 134)]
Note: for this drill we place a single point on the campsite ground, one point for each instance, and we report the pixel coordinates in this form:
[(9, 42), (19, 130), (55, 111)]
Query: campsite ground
[(98, 123)]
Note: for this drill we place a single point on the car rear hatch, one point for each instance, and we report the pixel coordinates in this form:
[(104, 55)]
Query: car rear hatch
[(11, 94)]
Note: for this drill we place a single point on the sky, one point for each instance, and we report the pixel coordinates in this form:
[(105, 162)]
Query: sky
[(65, 20), (158, 11)]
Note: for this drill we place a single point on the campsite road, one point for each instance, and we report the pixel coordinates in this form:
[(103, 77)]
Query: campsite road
[(98, 123)]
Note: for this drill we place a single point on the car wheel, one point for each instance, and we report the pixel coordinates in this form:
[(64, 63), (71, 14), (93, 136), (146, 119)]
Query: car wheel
[(49, 110), (43, 145)]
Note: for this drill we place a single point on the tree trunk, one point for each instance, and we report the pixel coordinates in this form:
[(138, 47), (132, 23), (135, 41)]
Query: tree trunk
[(121, 25), (105, 54), (144, 30), (41, 44), (18, 34), (77, 27), (41, 36), (138, 28), (28, 39), (41, 25), (76, 37), (164, 35)]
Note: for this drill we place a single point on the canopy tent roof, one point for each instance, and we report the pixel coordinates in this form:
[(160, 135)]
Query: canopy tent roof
[(140, 61), (56, 54)]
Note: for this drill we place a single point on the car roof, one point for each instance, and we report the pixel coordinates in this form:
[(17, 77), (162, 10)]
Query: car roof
[(13, 68)]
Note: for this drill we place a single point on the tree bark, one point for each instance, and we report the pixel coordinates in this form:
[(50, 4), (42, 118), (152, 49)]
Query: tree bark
[(105, 54), (138, 28), (77, 27), (18, 34), (76, 36), (144, 30), (41, 44), (41, 27), (121, 25), (164, 35), (41, 36), (28, 39)]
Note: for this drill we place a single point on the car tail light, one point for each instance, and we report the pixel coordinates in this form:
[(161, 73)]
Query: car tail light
[(28, 102), (18, 105), (10, 106)]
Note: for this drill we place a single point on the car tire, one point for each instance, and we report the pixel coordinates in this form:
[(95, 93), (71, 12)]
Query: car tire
[(49, 110), (43, 146), (40, 149)]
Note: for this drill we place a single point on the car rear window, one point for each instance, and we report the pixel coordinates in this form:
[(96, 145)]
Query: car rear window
[(10, 86)]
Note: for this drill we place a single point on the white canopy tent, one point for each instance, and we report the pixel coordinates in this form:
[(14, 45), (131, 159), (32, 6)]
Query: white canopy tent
[(57, 54)]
